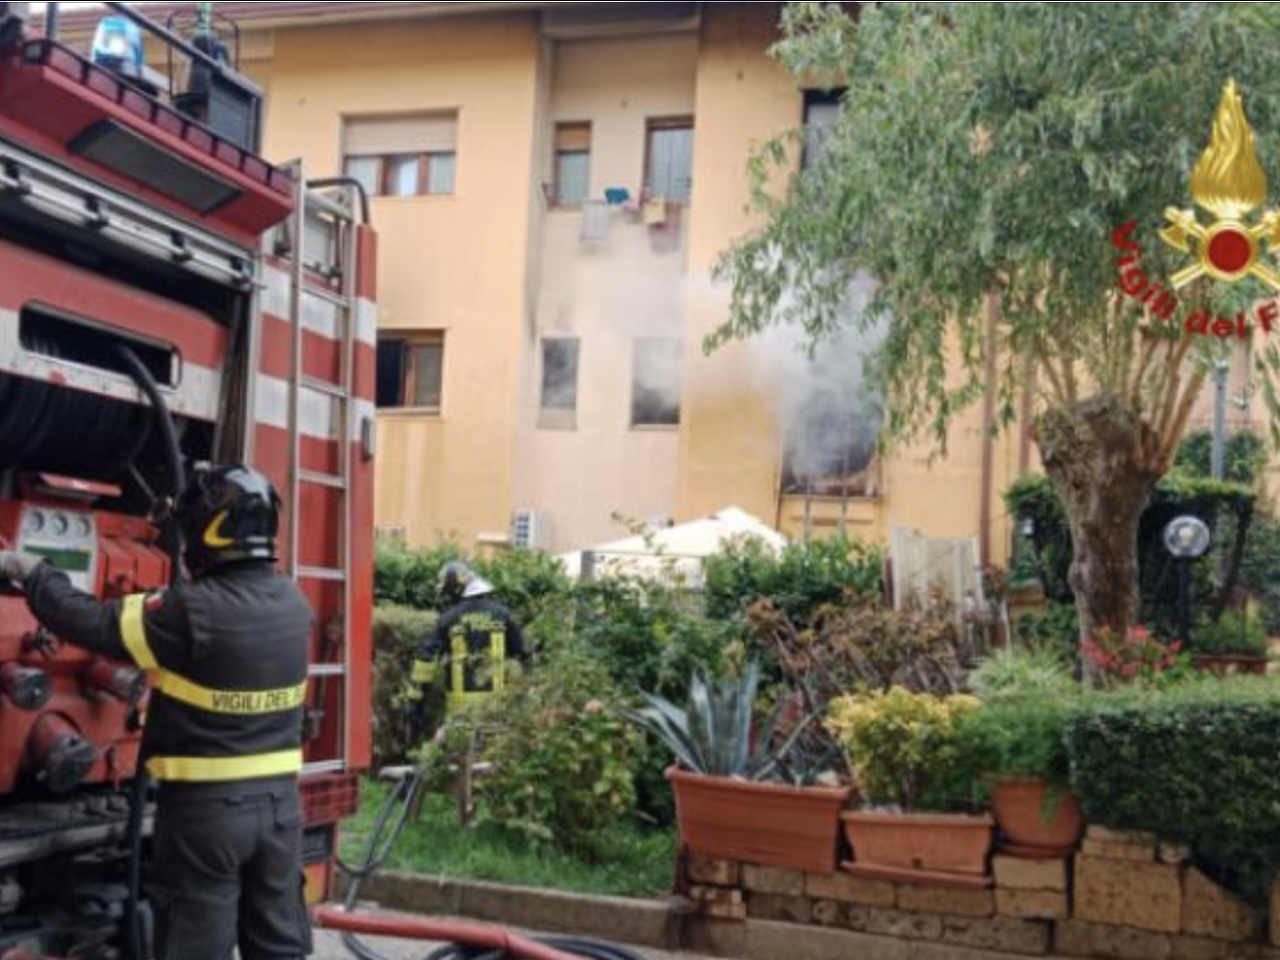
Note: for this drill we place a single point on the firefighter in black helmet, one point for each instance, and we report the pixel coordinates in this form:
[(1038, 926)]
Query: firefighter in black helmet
[(473, 642), (227, 655)]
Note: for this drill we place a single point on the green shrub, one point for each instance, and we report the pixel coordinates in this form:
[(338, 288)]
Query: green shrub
[(530, 584), (1055, 631), (534, 587), (408, 578), (1023, 674), (1018, 738), (1245, 460), (562, 755), (1236, 634), (1196, 765), (651, 636), (800, 582), (903, 747), (1261, 572), (398, 632)]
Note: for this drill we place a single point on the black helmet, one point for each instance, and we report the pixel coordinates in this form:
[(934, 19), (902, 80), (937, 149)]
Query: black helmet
[(228, 515), (459, 582)]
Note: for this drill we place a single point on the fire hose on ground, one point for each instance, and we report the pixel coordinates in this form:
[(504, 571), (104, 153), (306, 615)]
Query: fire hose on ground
[(466, 941)]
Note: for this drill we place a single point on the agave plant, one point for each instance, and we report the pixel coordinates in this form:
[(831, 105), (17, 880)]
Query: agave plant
[(713, 736)]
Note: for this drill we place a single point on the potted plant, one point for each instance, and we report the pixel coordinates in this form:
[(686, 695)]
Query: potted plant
[(1235, 644), (1018, 742), (725, 808), (903, 749)]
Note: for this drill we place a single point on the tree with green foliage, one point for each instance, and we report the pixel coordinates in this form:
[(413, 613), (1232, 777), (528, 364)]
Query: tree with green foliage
[(988, 160)]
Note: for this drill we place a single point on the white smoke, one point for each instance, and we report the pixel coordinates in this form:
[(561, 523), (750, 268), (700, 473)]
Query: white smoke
[(830, 415)]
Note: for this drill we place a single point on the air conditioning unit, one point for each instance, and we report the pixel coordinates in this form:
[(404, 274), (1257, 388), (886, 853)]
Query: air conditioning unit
[(531, 530)]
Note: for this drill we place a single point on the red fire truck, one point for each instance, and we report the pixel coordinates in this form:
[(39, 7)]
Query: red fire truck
[(143, 238)]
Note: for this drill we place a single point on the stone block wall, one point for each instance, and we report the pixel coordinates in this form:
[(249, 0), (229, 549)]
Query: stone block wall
[(1124, 897)]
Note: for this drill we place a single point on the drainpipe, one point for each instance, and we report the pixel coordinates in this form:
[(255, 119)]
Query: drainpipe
[(988, 426)]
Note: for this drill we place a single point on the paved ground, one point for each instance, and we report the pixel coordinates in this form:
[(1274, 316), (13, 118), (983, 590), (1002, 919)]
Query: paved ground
[(329, 947)]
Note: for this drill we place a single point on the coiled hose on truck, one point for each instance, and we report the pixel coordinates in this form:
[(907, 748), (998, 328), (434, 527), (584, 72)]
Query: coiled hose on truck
[(473, 942)]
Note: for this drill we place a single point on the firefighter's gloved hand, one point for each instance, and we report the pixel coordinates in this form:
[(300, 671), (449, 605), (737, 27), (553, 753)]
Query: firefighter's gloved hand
[(16, 566)]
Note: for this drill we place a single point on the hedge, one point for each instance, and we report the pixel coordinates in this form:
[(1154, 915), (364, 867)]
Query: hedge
[(1197, 765)]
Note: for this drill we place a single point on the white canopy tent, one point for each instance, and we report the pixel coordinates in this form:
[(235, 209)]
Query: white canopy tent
[(674, 553)]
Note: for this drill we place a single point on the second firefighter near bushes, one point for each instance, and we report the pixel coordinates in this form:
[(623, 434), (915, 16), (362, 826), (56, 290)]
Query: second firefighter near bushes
[(473, 646)]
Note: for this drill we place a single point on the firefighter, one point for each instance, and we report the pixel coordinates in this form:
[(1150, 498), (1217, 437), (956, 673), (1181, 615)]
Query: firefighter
[(474, 642), (227, 654)]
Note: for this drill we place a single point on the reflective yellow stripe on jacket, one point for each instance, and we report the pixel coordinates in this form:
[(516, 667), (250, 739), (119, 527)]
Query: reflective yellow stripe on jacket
[(244, 703), (223, 769), (238, 703), (134, 634)]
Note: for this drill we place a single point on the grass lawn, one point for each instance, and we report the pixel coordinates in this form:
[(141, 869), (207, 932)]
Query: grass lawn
[(635, 862)]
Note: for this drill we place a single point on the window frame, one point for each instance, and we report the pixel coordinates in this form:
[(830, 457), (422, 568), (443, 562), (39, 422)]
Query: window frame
[(557, 200), (838, 481), (409, 341), (816, 98), (385, 176), (559, 418), (657, 124), (419, 147), (677, 346)]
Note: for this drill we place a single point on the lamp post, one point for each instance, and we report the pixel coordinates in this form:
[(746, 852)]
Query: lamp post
[(1187, 539)]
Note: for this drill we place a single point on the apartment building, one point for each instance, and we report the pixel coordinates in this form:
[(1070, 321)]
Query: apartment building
[(553, 184)]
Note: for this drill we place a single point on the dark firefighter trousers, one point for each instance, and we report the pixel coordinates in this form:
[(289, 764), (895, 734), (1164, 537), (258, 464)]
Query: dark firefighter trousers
[(227, 873)]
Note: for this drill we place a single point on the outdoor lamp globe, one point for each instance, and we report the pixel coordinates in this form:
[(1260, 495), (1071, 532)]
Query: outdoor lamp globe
[(1188, 538)]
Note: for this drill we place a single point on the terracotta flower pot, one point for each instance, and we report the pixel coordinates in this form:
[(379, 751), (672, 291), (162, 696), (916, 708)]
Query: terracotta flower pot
[(1228, 666), (772, 826), (903, 845), (1020, 808)]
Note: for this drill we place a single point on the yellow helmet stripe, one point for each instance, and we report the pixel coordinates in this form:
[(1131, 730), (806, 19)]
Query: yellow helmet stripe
[(213, 537)]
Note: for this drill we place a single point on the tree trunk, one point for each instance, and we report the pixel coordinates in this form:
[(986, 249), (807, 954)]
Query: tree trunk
[(1234, 562), (1104, 462)]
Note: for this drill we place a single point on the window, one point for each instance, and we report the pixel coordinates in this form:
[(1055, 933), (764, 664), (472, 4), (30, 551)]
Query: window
[(403, 156), (572, 163), (821, 109), (657, 383), (411, 372), (831, 445), (669, 165), (560, 376)]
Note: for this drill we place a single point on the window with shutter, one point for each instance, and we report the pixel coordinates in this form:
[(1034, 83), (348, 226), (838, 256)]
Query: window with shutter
[(572, 163), (669, 167), (404, 155)]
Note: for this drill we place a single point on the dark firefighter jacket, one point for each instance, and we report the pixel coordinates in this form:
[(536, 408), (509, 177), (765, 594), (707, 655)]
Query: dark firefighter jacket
[(227, 660), (473, 642)]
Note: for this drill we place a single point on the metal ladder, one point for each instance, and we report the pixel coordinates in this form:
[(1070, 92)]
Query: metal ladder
[(340, 398)]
